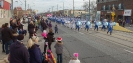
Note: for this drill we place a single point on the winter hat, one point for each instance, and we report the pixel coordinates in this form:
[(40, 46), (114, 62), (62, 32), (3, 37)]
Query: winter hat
[(44, 31), (59, 39), (20, 37), (76, 55), (49, 51), (44, 35)]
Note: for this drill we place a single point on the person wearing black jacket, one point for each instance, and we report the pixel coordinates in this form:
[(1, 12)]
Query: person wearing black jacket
[(18, 52), (7, 37), (31, 29), (14, 25), (3, 44), (43, 25), (50, 39)]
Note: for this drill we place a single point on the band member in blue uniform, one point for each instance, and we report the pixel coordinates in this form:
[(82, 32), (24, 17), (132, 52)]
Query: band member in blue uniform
[(78, 23), (110, 27), (104, 24), (97, 23), (87, 24)]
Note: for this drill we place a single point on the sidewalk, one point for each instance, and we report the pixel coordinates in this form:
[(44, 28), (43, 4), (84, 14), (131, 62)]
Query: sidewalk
[(66, 56), (3, 55)]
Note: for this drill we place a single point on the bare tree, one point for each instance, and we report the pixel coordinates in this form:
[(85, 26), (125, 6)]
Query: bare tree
[(92, 6), (86, 6)]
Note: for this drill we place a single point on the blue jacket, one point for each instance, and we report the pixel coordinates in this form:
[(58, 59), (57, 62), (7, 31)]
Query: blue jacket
[(35, 54)]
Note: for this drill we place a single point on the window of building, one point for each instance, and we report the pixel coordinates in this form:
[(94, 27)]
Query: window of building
[(104, 7), (120, 6), (109, 7)]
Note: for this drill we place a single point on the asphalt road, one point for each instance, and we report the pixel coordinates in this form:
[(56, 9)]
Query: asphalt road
[(92, 49), (91, 46)]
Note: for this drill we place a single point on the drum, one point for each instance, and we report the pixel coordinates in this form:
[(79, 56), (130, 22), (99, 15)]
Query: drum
[(99, 23), (88, 23)]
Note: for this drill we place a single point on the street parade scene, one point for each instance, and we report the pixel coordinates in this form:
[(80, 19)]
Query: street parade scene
[(99, 32)]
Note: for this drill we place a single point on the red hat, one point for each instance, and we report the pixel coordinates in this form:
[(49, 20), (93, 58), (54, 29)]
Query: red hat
[(59, 39)]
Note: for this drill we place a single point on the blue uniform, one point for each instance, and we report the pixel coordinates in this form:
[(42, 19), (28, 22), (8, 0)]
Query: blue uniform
[(96, 26), (110, 28), (87, 24), (104, 24), (78, 23)]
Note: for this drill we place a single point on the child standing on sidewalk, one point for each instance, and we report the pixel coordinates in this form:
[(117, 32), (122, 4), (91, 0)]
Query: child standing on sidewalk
[(56, 29), (59, 49)]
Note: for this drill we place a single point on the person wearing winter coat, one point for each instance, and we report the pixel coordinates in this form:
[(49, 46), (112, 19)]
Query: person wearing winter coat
[(31, 29), (20, 25), (59, 49), (14, 38), (18, 52), (7, 37), (75, 59), (3, 44), (50, 25), (43, 25), (50, 39), (34, 50), (14, 25), (56, 29)]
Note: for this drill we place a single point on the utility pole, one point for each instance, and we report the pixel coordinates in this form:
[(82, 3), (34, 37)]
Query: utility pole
[(63, 8), (25, 5), (28, 6), (52, 9), (12, 9), (73, 8), (89, 10), (57, 7)]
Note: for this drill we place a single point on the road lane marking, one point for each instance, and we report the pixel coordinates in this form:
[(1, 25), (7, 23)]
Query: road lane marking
[(128, 51)]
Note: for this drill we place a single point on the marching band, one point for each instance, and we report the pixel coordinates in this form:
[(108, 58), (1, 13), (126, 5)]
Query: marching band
[(77, 24)]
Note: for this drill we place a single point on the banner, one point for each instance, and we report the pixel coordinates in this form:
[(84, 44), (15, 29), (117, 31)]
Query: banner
[(127, 12)]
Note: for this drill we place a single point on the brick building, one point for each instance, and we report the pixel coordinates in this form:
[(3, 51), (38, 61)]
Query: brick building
[(18, 12), (123, 9)]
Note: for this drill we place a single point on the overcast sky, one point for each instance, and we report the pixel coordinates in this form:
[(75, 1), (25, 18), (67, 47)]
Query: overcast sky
[(44, 5)]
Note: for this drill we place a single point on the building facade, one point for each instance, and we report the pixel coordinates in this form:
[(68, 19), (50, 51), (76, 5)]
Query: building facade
[(77, 13), (5, 11), (123, 9)]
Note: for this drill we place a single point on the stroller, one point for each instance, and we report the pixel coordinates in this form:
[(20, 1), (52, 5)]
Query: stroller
[(48, 57)]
